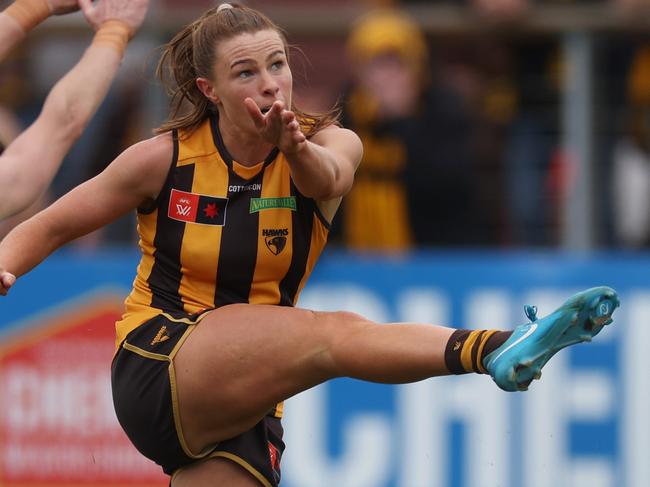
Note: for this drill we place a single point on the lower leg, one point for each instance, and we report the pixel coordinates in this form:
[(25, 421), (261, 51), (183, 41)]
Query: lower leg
[(391, 353), (406, 352)]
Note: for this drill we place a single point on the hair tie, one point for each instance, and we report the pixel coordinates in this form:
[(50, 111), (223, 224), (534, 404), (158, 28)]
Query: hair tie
[(223, 6)]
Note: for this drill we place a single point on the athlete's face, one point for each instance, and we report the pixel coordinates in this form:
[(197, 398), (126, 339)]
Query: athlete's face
[(249, 65)]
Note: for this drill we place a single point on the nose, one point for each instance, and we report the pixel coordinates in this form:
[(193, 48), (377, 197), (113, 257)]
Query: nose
[(269, 84)]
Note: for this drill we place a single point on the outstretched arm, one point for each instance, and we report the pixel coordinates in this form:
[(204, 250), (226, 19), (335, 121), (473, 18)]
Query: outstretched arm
[(322, 168), (135, 177), (23, 15), (31, 161)]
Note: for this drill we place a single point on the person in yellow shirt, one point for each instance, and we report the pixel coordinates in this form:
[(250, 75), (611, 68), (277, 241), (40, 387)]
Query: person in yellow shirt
[(414, 184)]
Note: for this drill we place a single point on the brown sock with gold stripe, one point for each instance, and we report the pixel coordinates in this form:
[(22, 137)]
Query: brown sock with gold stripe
[(466, 349)]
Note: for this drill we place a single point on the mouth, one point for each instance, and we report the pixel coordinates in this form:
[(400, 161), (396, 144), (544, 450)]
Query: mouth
[(265, 110)]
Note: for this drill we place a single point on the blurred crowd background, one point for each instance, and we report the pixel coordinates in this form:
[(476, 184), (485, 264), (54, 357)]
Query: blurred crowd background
[(486, 123)]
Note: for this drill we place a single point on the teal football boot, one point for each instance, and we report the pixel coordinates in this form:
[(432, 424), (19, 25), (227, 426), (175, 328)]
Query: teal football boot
[(520, 359)]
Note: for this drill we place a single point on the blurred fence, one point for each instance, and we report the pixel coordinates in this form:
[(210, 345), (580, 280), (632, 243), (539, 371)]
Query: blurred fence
[(585, 424)]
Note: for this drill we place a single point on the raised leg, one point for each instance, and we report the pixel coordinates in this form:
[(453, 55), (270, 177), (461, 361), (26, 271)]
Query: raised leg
[(243, 359)]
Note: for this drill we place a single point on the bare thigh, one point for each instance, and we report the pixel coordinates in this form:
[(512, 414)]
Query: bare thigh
[(240, 362), (243, 359), (215, 472)]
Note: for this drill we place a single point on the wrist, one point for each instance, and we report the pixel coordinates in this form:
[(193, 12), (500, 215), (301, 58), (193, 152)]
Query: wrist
[(28, 13), (296, 152), (113, 33)]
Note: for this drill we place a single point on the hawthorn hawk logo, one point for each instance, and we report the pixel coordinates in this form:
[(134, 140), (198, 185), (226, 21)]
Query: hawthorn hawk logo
[(275, 239)]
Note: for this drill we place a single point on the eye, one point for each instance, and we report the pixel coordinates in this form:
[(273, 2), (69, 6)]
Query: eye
[(277, 65), (246, 73)]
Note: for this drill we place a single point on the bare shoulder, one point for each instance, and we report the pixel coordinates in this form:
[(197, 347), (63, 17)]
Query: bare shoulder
[(145, 164), (149, 152), (341, 140)]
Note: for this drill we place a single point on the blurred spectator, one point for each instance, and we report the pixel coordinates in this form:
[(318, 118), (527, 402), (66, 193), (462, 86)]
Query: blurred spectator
[(633, 8), (521, 102), (414, 185), (631, 165), (500, 11), (535, 169)]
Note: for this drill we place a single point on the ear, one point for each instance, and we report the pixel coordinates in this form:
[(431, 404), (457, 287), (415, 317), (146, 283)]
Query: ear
[(207, 88)]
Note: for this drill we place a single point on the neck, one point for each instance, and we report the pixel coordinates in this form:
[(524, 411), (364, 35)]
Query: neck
[(246, 149)]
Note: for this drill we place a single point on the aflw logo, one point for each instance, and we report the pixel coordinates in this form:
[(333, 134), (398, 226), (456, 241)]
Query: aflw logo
[(183, 207), (275, 239), (197, 208)]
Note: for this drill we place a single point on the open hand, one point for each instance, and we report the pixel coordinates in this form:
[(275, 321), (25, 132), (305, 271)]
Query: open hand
[(278, 126), (131, 12), (6, 281)]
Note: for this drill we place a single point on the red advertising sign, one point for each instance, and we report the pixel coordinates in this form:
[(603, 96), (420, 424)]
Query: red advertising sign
[(57, 423)]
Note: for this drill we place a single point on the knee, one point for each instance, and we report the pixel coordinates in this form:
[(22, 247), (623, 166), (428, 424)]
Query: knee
[(344, 317), (337, 323), (341, 331)]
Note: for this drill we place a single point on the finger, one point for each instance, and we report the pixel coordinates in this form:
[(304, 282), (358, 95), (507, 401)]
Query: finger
[(131, 12), (254, 112), (274, 115), (88, 10), (277, 108), (7, 280), (296, 133), (288, 116)]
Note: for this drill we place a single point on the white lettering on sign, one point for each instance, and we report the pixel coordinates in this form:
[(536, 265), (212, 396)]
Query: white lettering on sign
[(57, 422), (367, 451), (636, 405), (74, 403)]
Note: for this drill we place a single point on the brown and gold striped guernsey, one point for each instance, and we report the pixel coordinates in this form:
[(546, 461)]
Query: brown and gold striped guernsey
[(222, 233)]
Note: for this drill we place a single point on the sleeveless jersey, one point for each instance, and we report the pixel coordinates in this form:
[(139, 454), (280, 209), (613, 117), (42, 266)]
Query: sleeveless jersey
[(222, 233)]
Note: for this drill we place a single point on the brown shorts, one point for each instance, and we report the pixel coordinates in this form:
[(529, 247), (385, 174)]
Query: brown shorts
[(144, 395)]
